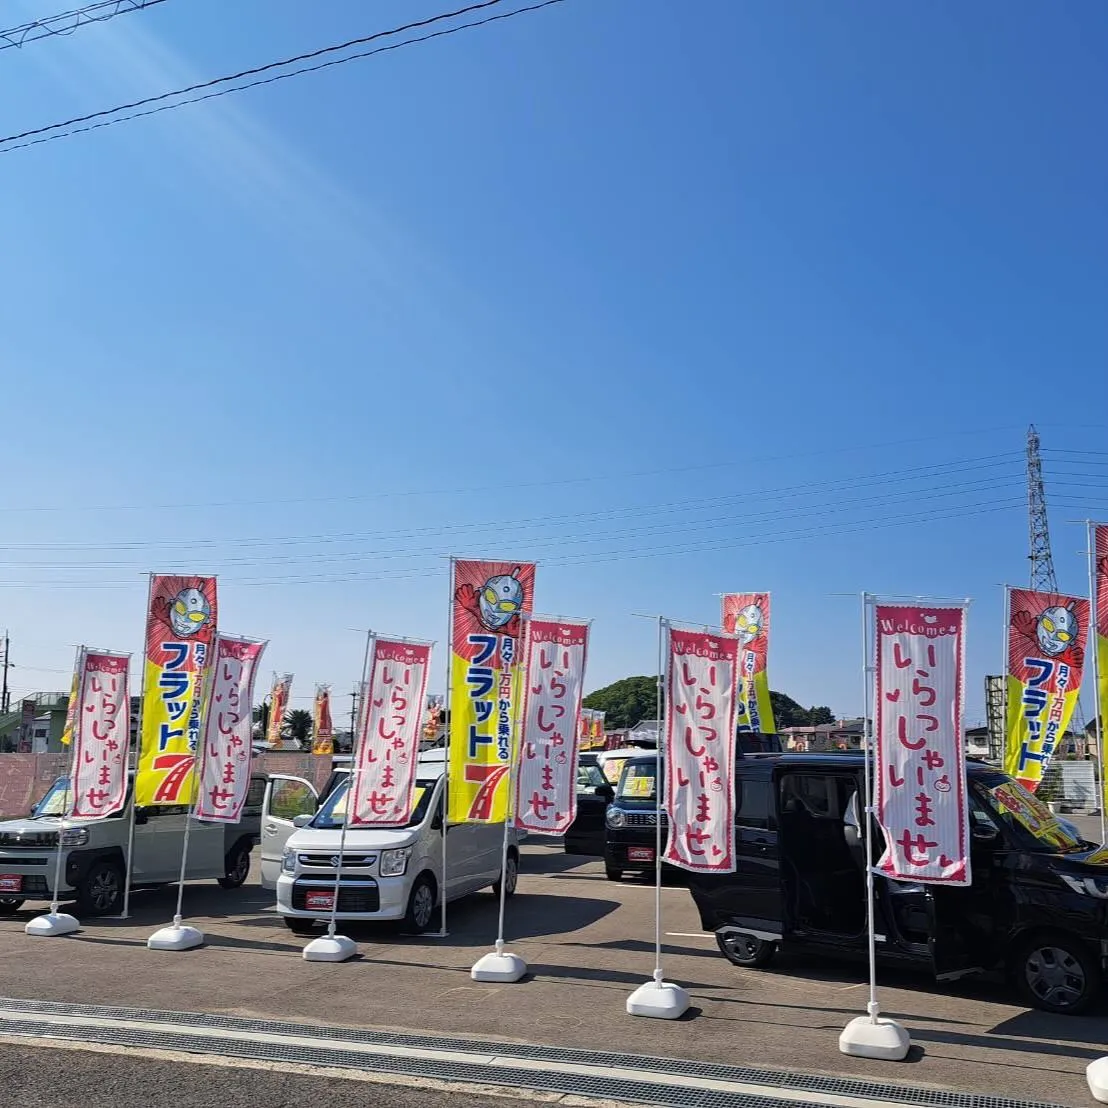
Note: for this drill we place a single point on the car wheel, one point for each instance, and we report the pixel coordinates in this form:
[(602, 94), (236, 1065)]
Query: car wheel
[(511, 872), (613, 874), (238, 869), (741, 949), (101, 891), (9, 906), (1056, 973), (421, 906), (298, 925)]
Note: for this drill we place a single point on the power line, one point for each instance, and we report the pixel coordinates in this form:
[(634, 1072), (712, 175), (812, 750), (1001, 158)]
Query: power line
[(55, 131), (65, 23)]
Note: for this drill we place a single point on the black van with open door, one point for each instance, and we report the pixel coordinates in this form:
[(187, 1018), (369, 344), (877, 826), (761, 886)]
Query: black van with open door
[(1037, 908)]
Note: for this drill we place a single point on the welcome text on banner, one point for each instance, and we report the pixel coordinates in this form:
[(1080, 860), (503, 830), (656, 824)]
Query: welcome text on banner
[(746, 615), (102, 735), (699, 764), (920, 766), (180, 627), (1100, 598), (546, 778), (485, 684)]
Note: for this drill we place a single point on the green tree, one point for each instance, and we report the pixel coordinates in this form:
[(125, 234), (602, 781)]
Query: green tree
[(786, 711), (298, 726), (625, 702), (816, 716)]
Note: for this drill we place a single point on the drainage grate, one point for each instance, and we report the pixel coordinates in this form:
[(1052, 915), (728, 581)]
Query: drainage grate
[(614, 1088)]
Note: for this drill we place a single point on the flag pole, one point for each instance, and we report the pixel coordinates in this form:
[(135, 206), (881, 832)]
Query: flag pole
[(1093, 644), (442, 933), (124, 914)]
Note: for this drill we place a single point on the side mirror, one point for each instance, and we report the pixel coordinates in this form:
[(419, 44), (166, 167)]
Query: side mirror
[(606, 792), (302, 820), (985, 834)]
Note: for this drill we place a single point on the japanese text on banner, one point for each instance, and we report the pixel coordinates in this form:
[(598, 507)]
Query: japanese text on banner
[(225, 753), (1100, 597), (485, 683), (323, 730), (180, 628), (546, 781), (387, 751), (746, 615), (920, 767), (701, 681), (1047, 634), (102, 728), (278, 706)]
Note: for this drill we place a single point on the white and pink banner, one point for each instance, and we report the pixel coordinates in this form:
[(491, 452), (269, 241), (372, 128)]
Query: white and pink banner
[(701, 683), (101, 734), (225, 753), (920, 794), (546, 780), (388, 747)]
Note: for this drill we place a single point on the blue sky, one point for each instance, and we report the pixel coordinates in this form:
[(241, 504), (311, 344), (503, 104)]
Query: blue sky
[(675, 298)]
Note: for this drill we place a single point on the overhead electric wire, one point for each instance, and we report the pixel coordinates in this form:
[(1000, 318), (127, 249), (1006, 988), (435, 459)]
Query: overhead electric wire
[(65, 23), (53, 131)]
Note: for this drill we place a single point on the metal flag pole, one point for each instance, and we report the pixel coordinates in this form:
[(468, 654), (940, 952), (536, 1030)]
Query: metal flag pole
[(1091, 639), (1005, 671), (136, 757), (442, 933), (869, 1036)]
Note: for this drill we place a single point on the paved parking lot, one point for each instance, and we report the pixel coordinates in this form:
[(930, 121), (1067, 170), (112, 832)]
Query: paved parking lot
[(588, 943)]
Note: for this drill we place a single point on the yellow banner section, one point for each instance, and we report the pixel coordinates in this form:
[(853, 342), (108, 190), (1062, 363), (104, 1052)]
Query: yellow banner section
[(755, 691)]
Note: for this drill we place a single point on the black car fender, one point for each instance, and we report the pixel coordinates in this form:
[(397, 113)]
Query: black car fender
[(79, 862)]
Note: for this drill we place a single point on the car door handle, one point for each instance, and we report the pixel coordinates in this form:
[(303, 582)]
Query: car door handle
[(271, 829)]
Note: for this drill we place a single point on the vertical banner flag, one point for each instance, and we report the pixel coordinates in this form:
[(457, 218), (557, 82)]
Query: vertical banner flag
[(388, 747), (27, 711), (920, 767), (180, 627), (746, 615), (435, 706), (485, 685), (546, 780), (1100, 598), (225, 753), (102, 726), (71, 704), (323, 730), (1047, 634), (598, 729), (278, 706), (702, 673)]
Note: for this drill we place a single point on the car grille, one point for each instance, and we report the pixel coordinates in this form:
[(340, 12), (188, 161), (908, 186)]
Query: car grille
[(28, 840), (330, 861), (21, 861), (642, 819), (352, 898)]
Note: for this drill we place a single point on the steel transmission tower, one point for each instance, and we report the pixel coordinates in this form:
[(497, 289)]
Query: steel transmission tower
[(1042, 563)]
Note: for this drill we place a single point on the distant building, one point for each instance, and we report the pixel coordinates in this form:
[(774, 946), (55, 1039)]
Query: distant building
[(843, 734)]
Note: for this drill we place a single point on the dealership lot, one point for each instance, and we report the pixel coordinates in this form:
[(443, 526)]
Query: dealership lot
[(588, 943)]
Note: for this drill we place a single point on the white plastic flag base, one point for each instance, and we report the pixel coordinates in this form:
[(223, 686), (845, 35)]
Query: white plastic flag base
[(661, 1000), (1096, 1073), (498, 966), (330, 948), (53, 923), (176, 937), (875, 1038)]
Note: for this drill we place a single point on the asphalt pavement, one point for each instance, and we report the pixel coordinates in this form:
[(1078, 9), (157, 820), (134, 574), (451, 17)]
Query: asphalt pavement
[(588, 943)]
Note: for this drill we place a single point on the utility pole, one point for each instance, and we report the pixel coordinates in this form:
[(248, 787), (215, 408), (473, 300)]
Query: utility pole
[(4, 694), (1043, 578), (353, 717)]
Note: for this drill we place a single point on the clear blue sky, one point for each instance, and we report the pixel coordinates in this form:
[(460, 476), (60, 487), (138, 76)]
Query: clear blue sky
[(676, 298)]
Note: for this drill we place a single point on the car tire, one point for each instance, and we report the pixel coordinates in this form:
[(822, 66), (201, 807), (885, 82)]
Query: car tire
[(746, 950), (1056, 972), (298, 925), (101, 891), (238, 869), (613, 874), (10, 905), (512, 874), (421, 906)]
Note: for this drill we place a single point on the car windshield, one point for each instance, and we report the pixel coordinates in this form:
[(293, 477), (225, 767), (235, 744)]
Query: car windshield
[(333, 812), (589, 776), (57, 801), (612, 768), (637, 781), (1029, 820)]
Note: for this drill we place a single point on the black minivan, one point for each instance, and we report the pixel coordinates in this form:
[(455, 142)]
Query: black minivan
[(1037, 908)]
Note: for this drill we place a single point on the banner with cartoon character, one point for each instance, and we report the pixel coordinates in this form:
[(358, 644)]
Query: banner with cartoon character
[(101, 733), (386, 754), (180, 627), (278, 706), (546, 779), (702, 672), (1047, 634), (323, 730), (225, 753), (920, 764), (71, 704), (485, 683), (746, 614), (1099, 548)]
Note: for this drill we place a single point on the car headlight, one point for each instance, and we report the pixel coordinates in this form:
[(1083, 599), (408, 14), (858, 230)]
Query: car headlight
[(74, 836), (395, 862), (614, 816), (288, 862)]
